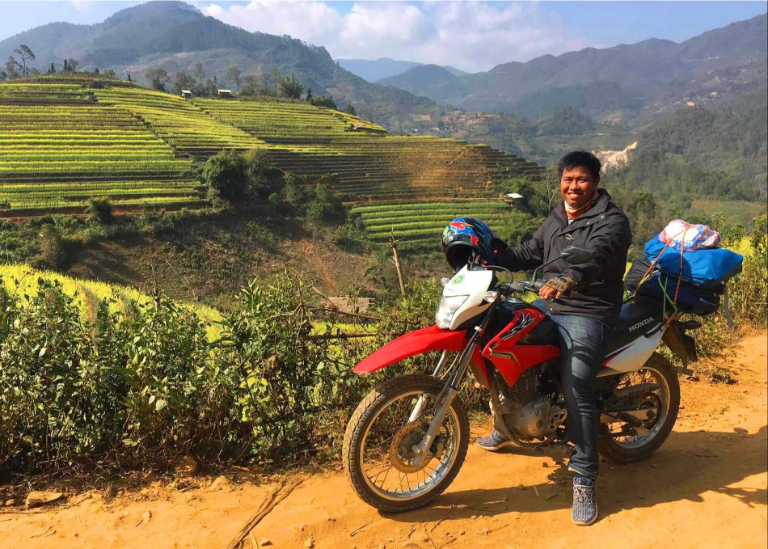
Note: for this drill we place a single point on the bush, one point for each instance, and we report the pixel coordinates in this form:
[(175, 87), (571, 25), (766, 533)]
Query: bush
[(748, 292), (99, 211), (325, 206), (226, 173), (323, 101), (262, 176), (53, 251)]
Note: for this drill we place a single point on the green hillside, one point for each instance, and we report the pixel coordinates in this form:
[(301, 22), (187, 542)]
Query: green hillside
[(177, 37), (67, 139)]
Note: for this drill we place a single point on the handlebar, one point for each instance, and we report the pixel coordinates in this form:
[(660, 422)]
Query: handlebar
[(522, 286)]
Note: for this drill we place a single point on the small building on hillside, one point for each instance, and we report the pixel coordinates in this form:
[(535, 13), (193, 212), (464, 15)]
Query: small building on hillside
[(186, 94), (225, 93)]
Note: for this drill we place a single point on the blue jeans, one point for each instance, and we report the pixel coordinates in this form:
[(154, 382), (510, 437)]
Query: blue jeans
[(584, 342)]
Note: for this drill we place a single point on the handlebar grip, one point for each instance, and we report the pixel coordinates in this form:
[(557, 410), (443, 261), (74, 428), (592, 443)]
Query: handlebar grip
[(538, 285)]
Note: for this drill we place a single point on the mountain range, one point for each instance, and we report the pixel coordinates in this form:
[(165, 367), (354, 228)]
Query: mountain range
[(604, 80), (384, 67), (629, 83), (176, 36)]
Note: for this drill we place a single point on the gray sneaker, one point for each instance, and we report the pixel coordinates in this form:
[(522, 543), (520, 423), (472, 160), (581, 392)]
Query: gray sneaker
[(584, 510), (494, 442)]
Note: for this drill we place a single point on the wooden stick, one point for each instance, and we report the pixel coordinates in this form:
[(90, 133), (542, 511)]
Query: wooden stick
[(270, 502), (432, 543), (355, 532), (393, 243)]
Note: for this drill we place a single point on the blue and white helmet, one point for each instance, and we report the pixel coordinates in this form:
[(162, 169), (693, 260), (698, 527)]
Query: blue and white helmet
[(465, 237)]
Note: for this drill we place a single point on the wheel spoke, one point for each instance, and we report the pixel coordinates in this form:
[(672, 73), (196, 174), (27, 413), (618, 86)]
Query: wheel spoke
[(390, 437)]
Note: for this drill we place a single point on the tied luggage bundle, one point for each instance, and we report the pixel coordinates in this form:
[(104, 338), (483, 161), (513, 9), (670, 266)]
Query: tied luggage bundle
[(683, 269)]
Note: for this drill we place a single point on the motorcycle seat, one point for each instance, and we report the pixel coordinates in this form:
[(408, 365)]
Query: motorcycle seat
[(637, 318)]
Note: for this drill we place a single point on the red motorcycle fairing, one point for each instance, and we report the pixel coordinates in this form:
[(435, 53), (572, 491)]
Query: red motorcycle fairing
[(512, 359), (418, 342)]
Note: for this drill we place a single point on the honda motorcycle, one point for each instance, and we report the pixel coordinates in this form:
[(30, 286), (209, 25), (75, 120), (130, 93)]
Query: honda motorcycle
[(407, 440)]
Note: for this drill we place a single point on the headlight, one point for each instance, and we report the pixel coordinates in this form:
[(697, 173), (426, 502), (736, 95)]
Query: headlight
[(446, 309)]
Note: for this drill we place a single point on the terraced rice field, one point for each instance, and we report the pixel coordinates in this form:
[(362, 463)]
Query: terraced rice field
[(368, 164), (421, 224), (70, 149), (179, 122), (23, 280), (64, 141)]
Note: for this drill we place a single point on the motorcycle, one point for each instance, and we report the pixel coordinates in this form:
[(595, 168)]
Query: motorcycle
[(407, 440)]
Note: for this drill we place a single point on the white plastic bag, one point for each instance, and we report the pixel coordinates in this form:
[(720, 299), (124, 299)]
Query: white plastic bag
[(682, 235)]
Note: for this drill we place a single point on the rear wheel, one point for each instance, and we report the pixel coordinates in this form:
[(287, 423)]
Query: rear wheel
[(663, 405), (378, 453)]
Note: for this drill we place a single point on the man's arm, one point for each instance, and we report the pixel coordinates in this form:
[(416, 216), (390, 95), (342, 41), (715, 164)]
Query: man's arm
[(528, 255), (608, 241)]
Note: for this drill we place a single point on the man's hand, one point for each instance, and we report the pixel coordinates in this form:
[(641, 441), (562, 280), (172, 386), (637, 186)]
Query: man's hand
[(547, 292), (557, 287)]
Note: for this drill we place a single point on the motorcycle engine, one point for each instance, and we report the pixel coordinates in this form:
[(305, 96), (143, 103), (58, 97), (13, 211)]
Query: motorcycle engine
[(529, 413)]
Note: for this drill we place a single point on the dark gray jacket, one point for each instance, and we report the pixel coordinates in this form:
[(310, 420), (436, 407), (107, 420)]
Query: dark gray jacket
[(604, 229)]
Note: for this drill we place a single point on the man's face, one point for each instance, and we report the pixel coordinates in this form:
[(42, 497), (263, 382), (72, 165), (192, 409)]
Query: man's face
[(577, 186)]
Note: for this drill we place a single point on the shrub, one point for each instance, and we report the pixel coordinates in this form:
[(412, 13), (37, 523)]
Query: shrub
[(53, 251), (263, 178), (226, 173), (99, 211), (325, 206)]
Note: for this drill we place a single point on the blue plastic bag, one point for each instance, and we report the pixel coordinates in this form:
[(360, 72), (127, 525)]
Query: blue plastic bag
[(706, 268)]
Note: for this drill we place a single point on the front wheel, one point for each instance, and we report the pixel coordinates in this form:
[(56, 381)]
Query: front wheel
[(378, 454), (663, 402)]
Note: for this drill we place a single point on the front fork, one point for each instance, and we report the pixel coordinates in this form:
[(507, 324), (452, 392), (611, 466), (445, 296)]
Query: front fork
[(448, 393)]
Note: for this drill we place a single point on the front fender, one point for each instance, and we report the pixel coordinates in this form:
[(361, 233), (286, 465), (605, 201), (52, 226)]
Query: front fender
[(419, 342)]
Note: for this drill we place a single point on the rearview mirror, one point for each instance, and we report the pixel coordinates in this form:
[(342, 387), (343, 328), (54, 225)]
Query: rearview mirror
[(576, 255)]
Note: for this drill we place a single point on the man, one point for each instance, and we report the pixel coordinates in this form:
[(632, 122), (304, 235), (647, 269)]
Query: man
[(584, 301)]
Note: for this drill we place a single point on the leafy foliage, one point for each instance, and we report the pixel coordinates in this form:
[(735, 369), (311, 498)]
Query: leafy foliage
[(225, 172), (99, 211)]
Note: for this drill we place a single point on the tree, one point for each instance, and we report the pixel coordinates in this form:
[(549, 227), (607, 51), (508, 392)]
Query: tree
[(26, 55), (350, 110), (52, 70), (309, 95), (209, 88), (250, 85), (73, 63), (290, 88), (183, 82), (129, 77), (3, 76), (10, 66), (110, 73), (66, 66), (273, 75), (324, 101), (199, 72), (226, 173), (233, 75), (158, 77), (96, 70)]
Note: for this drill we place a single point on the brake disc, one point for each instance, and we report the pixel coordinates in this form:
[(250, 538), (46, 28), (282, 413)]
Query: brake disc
[(401, 453)]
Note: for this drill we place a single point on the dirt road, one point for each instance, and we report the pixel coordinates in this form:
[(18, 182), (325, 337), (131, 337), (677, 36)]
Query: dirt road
[(706, 487)]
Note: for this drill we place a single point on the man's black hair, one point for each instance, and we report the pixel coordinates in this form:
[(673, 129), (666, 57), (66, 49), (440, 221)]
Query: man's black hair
[(577, 159)]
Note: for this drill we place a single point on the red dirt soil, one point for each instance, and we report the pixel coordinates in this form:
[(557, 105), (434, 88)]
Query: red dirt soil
[(706, 487)]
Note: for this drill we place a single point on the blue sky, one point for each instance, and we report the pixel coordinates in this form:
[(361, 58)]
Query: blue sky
[(469, 35)]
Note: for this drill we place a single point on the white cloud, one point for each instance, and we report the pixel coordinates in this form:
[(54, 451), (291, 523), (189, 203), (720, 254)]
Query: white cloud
[(472, 36), (84, 5)]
